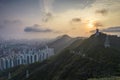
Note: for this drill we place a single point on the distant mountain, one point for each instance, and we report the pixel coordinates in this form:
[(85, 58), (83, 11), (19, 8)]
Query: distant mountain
[(81, 60), (62, 42)]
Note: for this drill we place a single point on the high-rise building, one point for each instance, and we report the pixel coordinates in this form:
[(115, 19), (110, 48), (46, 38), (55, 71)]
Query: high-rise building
[(29, 57), (107, 42)]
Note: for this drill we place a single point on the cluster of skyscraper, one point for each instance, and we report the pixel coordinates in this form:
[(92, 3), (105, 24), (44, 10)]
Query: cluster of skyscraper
[(14, 59)]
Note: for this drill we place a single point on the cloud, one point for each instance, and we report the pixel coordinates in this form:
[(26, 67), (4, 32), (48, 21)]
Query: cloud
[(98, 24), (48, 16), (33, 29), (75, 20), (47, 5), (46, 10), (36, 28), (39, 29), (102, 11), (112, 29)]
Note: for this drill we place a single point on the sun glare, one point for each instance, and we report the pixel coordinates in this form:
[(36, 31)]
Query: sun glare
[(90, 24)]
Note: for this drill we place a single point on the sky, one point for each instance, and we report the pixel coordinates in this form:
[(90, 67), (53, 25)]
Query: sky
[(39, 19)]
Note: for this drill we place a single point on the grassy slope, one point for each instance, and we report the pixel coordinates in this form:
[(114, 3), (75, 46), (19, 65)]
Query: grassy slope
[(111, 78), (98, 62)]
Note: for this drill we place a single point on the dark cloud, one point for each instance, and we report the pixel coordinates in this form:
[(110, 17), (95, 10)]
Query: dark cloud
[(76, 20), (63, 5), (101, 11), (33, 29), (112, 29), (38, 29)]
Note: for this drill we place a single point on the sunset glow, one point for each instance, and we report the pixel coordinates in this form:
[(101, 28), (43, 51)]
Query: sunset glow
[(91, 24), (56, 17)]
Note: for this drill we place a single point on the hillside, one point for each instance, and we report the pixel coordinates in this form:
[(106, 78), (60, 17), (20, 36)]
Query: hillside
[(62, 42), (111, 78), (79, 61)]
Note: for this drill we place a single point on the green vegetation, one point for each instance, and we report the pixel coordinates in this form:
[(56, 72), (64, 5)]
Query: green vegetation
[(70, 64), (112, 78)]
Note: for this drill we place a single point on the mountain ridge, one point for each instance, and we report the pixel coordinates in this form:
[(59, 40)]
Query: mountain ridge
[(62, 42), (79, 61)]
